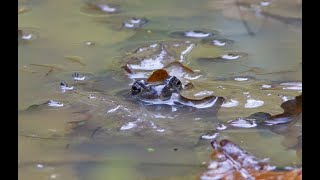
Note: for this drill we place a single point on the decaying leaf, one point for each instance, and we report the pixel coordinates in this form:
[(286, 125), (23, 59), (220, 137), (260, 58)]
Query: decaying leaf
[(291, 107), (287, 124), (229, 161), (57, 67), (155, 56), (22, 10), (178, 65), (75, 59), (158, 75), (27, 34)]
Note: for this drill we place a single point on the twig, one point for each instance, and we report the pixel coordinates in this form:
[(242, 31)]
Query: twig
[(250, 32)]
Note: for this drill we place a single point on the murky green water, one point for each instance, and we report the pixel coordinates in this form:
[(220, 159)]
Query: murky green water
[(82, 141)]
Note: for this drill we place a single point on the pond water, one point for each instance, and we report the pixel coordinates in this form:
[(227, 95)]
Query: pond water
[(110, 136)]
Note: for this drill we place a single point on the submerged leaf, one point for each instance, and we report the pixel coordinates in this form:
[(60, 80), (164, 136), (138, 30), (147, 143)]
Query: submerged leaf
[(229, 161), (75, 59), (158, 75), (58, 67), (292, 108), (22, 10), (99, 8)]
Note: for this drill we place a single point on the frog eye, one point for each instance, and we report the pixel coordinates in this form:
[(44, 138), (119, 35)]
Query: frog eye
[(176, 83), (137, 87)]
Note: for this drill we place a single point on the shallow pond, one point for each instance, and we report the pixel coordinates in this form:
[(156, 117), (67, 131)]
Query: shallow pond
[(101, 133)]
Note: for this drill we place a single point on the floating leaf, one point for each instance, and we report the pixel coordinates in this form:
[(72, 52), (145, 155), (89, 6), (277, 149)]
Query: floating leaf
[(158, 75), (178, 65), (229, 161)]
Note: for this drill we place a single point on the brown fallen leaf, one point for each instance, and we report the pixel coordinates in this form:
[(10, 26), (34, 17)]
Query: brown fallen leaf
[(158, 75), (48, 66), (229, 161), (291, 107), (177, 65)]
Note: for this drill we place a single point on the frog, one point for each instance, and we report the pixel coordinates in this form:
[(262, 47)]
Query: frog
[(163, 91)]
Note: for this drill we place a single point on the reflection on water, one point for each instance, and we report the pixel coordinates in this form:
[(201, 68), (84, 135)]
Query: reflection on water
[(101, 133)]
